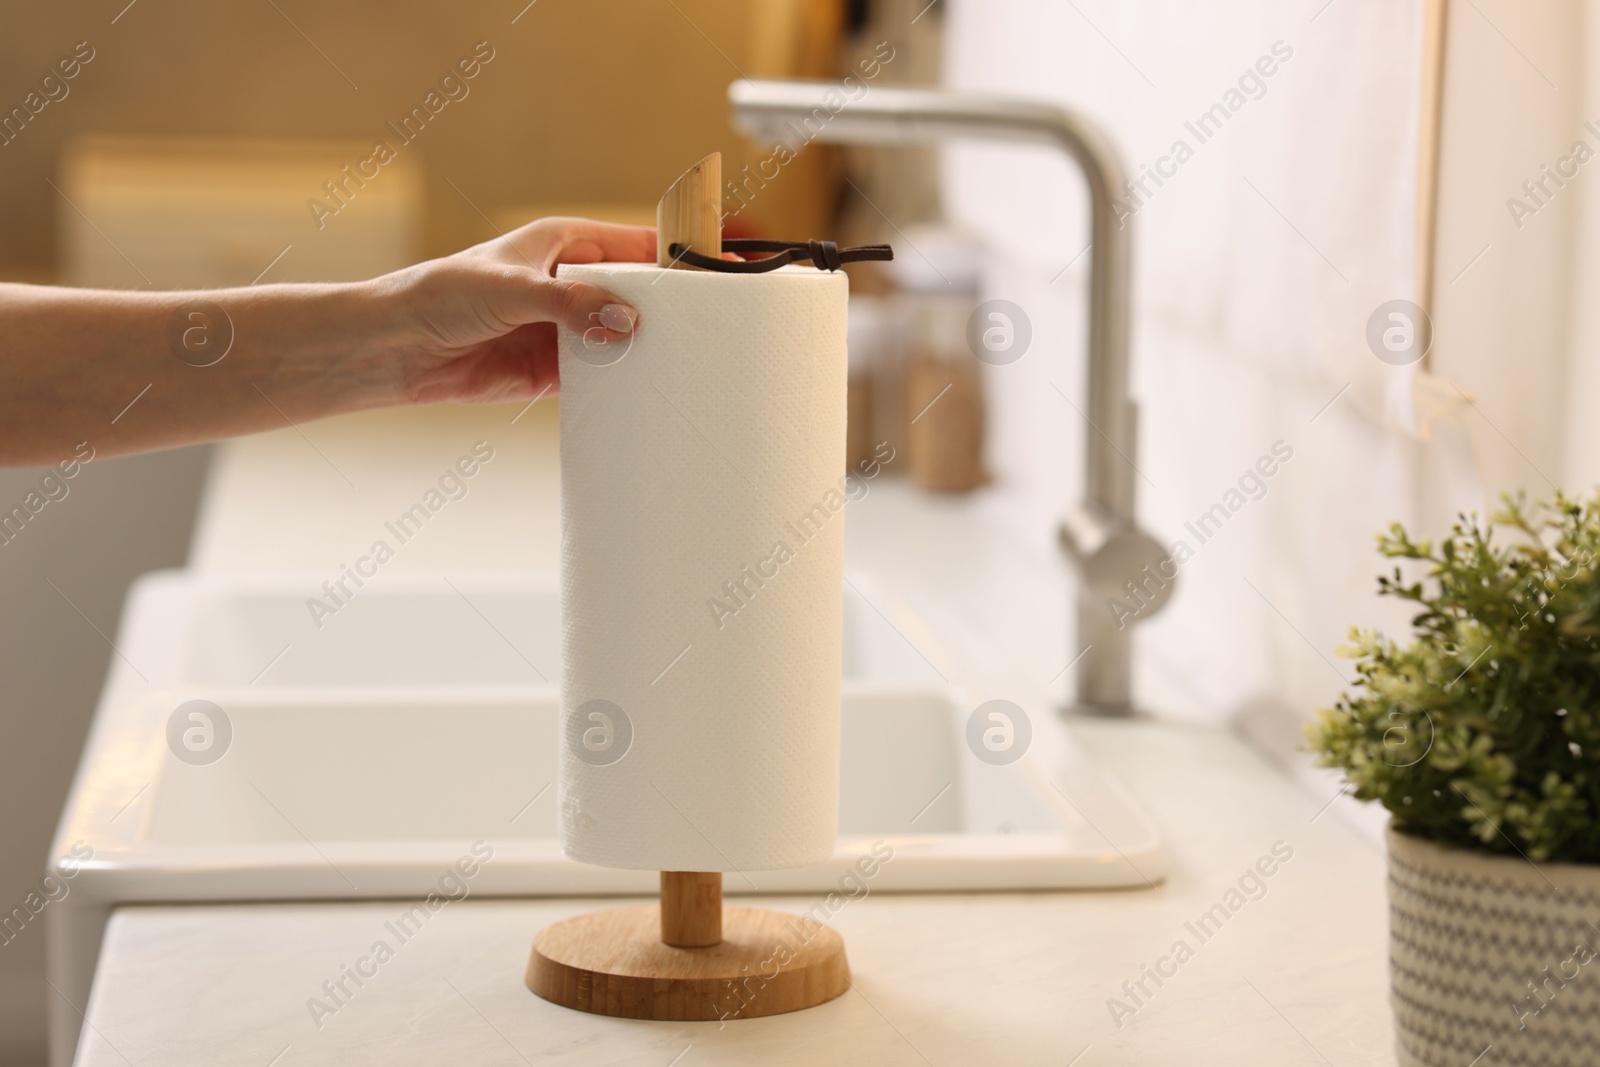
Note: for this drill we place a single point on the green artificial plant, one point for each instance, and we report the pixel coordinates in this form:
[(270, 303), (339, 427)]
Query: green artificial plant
[(1484, 731)]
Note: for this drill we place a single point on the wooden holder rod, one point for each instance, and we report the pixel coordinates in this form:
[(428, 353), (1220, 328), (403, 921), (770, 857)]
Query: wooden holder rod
[(691, 908)]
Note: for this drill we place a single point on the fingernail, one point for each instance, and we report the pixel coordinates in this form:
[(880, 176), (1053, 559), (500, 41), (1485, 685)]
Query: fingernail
[(618, 317)]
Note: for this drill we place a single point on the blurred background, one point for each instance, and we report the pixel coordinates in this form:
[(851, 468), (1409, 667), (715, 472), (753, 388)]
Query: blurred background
[(1378, 161)]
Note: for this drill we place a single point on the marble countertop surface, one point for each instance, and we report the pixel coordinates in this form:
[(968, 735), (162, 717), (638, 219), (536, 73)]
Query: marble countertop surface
[(1220, 964), (1297, 974)]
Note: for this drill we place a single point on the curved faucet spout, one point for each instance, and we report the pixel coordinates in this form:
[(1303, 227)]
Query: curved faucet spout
[(1100, 534)]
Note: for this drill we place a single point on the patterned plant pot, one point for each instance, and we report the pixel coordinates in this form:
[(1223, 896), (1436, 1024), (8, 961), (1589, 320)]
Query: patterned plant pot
[(1493, 959)]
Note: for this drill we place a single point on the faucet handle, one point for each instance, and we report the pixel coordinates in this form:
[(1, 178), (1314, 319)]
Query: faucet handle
[(1116, 560)]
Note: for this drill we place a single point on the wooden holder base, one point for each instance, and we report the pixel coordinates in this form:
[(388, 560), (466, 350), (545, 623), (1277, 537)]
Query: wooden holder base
[(615, 963)]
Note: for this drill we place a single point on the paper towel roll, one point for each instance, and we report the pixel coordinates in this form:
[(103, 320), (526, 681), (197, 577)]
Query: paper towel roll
[(701, 568)]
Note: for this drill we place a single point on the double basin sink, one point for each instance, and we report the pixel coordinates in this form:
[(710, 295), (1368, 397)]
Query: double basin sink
[(361, 757)]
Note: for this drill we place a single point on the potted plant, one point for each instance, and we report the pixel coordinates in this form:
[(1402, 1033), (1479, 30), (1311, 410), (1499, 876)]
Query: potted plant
[(1482, 738)]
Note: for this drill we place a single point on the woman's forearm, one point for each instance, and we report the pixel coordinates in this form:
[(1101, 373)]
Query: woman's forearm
[(131, 372)]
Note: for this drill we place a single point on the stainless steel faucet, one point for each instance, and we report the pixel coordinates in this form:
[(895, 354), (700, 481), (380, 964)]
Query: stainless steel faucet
[(1115, 560)]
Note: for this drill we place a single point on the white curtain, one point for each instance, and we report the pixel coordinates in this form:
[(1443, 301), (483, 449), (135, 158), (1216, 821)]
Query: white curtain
[(1258, 262)]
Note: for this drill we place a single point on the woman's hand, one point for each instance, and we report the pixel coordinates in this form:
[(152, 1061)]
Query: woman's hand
[(480, 326)]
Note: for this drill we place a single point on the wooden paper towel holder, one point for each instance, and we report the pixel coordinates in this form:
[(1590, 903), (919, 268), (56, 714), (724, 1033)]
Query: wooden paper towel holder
[(688, 957)]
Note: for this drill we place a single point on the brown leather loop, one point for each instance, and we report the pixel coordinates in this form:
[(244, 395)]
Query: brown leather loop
[(824, 255)]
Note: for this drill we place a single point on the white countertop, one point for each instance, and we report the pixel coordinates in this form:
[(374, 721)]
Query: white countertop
[(1297, 976)]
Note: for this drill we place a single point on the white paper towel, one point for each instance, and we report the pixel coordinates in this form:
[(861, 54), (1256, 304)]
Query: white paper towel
[(702, 559)]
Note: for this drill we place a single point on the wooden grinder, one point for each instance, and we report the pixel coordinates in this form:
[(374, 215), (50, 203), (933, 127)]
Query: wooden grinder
[(688, 958)]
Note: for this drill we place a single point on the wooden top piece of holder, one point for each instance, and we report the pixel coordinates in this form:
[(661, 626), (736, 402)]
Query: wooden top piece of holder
[(691, 213)]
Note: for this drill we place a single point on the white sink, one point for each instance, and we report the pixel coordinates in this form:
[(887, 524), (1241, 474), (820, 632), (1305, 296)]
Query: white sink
[(341, 793), (368, 755)]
